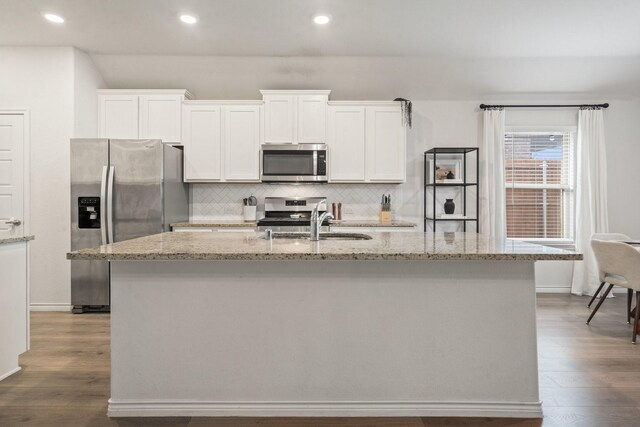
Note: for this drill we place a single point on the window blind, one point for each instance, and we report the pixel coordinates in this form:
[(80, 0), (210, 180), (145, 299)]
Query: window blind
[(540, 185)]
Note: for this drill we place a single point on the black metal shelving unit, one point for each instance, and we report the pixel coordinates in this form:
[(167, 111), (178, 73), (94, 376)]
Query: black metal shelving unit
[(448, 152)]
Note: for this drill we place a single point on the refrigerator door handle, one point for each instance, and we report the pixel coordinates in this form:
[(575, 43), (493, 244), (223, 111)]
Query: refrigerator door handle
[(103, 205), (110, 203)]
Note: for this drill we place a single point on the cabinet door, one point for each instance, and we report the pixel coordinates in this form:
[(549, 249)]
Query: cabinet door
[(385, 146), (242, 143), (279, 119), (160, 117), (346, 141), (312, 119), (119, 116), (202, 135)]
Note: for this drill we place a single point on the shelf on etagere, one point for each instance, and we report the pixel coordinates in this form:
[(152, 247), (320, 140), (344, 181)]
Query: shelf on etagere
[(452, 184), (451, 150), (431, 163), (450, 219)]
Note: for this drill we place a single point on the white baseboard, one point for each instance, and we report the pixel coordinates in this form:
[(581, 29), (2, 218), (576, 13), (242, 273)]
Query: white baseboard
[(554, 290), (11, 372), (37, 306), (131, 408)]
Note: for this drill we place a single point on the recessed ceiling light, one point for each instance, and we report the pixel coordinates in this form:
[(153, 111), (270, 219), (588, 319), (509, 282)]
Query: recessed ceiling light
[(321, 19), (52, 17), (188, 19)]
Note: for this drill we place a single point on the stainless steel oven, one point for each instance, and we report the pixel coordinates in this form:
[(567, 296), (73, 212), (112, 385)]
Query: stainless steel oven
[(294, 163)]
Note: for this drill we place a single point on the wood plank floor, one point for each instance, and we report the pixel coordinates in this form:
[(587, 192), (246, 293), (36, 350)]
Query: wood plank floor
[(589, 376)]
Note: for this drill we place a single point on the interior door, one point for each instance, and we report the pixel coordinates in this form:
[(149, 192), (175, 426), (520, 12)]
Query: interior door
[(136, 199), (11, 174)]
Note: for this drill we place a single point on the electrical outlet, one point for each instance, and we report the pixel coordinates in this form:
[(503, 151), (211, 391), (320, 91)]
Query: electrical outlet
[(348, 210)]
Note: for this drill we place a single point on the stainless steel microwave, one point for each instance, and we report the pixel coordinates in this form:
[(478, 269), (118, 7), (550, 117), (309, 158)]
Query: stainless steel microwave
[(294, 163)]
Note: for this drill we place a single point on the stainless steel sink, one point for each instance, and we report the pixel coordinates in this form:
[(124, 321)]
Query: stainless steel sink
[(323, 236)]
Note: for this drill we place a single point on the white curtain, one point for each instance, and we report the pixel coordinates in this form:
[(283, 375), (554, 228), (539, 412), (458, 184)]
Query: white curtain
[(492, 193), (591, 197)]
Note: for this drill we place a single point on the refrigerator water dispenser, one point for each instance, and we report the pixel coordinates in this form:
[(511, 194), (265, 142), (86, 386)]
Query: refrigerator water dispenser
[(88, 212)]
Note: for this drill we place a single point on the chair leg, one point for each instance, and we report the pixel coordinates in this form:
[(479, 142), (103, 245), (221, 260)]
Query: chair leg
[(595, 295), (629, 295), (635, 324), (602, 298)]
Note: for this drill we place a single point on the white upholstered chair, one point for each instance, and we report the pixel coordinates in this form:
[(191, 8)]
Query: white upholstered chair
[(610, 236), (620, 263)]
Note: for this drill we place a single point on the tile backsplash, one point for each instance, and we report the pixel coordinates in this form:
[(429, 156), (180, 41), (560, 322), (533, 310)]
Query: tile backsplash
[(224, 201)]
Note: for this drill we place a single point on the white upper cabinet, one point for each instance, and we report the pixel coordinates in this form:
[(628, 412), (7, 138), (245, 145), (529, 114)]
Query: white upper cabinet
[(367, 142), (242, 142), (141, 114), (118, 116), (312, 119), (279, 119), (202, 134), (222, 140), (160, 117), (295, 116), (346, 141), (385, 148)]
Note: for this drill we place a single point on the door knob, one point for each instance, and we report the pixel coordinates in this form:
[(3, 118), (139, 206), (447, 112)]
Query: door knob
[(14, 222)]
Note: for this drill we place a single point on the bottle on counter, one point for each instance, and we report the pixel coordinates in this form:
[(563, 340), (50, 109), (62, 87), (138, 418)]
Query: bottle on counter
[(340, 211), (334, 210)]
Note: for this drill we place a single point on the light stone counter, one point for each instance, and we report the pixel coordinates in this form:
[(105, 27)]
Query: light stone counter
[(239, 223), (403, 324), (220, 223), (366, 223), (382, 246), (14, 239)]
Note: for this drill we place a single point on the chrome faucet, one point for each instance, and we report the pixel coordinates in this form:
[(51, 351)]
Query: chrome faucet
[(316, 221)]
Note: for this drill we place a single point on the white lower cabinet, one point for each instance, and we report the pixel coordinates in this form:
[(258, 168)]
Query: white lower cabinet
[(14, 306), (367, 142), (221, 141)]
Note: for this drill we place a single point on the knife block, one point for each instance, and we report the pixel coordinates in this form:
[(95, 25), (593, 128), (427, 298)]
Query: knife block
[(386, 217)]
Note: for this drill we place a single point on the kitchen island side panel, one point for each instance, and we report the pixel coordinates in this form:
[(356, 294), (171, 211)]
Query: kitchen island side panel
[(324, 338)]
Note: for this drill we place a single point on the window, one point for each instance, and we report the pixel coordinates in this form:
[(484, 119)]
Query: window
[(540, 184)]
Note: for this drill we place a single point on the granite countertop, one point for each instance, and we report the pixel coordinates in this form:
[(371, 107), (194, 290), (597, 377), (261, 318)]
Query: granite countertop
[(14, 239), (369, 223), (216, 223), (382, 246), (239, 223)]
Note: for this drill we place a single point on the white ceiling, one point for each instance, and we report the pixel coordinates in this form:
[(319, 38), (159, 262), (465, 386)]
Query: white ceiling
[(461, 28)]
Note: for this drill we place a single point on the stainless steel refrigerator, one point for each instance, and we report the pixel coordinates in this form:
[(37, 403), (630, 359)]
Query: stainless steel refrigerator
[(120, 190)]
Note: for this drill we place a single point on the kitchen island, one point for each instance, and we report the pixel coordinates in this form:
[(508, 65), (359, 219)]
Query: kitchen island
[(231, 324)]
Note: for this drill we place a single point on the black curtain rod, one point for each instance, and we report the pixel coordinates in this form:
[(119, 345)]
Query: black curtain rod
[(487, 106)]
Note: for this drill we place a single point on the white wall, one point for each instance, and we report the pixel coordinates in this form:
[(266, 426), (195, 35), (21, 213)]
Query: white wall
[(40, 79), (86, 79), (427, 78), (57, 85)]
